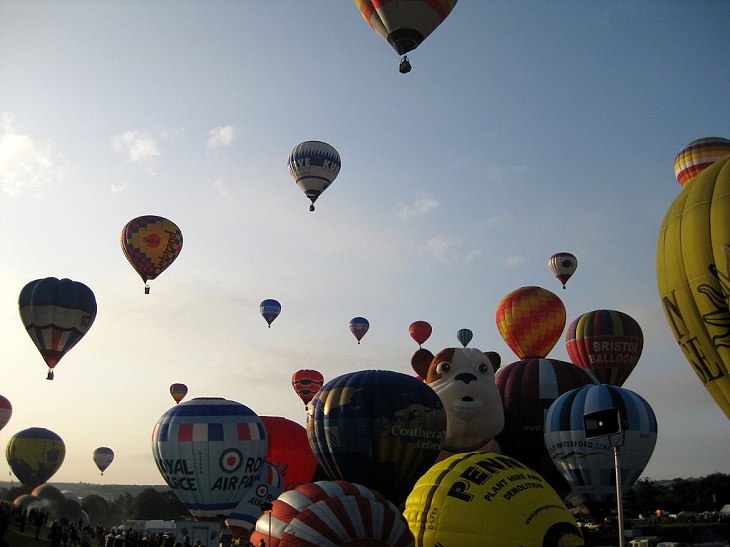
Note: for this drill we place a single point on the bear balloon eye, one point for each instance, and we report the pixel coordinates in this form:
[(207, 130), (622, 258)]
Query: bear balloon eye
[(483, 368), (443, 367)]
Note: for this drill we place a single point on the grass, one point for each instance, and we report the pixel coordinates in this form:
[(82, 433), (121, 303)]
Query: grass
[(16, 538)]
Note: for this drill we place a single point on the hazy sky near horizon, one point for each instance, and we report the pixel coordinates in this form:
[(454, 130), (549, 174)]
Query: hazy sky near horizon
[(525, 128)]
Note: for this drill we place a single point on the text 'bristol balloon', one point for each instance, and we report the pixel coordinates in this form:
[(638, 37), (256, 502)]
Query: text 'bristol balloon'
[(35, 454), (210, 452), (151, 243), (693, 276), (488, 500), (57, 313), (314, 165)]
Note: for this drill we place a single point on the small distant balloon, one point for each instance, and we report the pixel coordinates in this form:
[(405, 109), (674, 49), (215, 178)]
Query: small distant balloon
[(314, 165), (6, 411), (464, 336), (151, 243), (178, 391), (270, 310), (697, 155), (420, 331), (103, 457), (306, 383), (358, 327), (563, 266)]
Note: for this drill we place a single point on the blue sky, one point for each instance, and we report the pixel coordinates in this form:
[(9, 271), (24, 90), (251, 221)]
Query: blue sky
[(524, 129)]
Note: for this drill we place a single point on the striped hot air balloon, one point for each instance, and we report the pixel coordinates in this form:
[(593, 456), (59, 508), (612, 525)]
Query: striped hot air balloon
[(697, 155)]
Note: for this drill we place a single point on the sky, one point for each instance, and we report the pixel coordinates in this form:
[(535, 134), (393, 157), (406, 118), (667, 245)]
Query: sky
[(524, 129)]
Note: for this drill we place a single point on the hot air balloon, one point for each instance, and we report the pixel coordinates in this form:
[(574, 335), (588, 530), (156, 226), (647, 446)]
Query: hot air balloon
[(243, 518), (151, 243), (486, 499), (698, 155), (693, 276), (358, 327), (314, 165), (270, 310), (464, 336), (289, 451), (420, 331), (531, 321), (178, 391), (332, 513), (379, 428), (306, 383), (528, 388), (210, 452), (588, 464), (606, 342), (563, 266), (404, 24), (6, 411), (103, 457), (34, 455), (57, 313)]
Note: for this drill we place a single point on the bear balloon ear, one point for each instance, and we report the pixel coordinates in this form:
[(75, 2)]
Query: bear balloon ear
[(494, 358), (420, 362)]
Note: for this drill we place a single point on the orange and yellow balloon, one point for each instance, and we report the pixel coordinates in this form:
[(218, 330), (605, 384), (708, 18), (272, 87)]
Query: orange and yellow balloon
[(151, 243), (698, 155)]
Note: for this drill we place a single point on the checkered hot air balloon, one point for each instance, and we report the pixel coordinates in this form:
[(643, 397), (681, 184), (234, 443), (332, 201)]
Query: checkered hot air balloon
[(151, 243)]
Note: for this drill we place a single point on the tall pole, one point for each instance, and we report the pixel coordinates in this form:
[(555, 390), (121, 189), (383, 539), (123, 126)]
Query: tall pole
[(619, 496)]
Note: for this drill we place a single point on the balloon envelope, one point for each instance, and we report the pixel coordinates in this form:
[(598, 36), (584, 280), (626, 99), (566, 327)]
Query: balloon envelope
[(379, 428), (34, 455), (270, 310), (329, 513), (528, 388), (588, 464), (289, 451), (487, 500), (314, 165), (210, 452), (606, 342), (358, 327), (698, 155), (178, 391), (6, 411), (306, 383), (464, 336), (56, 313), (563, 266), (103, 457), (531, 321), (151, 243), (693, 276), (243, 518), (420, 331)]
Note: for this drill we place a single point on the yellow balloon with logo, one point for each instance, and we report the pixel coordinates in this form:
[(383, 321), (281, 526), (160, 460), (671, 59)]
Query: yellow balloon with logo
[(484, 499), (693, 255)]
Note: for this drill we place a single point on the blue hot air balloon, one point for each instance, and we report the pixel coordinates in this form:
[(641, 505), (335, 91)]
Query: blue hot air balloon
[(314, 165), (358, 327), (270, 310)]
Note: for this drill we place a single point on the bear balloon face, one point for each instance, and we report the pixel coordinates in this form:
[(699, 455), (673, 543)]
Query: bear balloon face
[(463, 378)]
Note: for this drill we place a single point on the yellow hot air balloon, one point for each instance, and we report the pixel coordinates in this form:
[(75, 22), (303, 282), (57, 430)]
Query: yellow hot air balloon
[(488, 500), (693, 277)]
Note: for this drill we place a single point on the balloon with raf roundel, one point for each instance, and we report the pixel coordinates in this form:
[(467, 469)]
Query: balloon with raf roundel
[(588, 464), (178, 391), (103, 457), (57, 314), (314, 165), (486, 499), (242, 519), (531, 321), (563, 266), (35, 454), (270, 310), (289, 450), (379, 428), (151, 244), (306, 383), (606, 342), (332, 513), (359, 326), (210, 451), (693, 276), (420, 331), (405, 24)]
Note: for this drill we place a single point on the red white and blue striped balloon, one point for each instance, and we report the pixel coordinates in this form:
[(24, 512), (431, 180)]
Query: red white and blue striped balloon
[(588, 464), (210, 451)]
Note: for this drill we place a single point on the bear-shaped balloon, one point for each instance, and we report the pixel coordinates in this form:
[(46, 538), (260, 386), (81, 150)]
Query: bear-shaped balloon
[(463, 378)]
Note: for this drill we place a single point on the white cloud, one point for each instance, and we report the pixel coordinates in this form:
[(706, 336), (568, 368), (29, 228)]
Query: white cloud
[(137, 146), (220, 187), (418, 208), (442, 247), (117, 188), (24, 161), (514, 260), (219, 137)]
